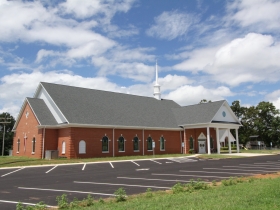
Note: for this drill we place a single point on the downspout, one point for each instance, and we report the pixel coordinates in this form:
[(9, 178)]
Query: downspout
[(143, 143), (43, 146), (113, 142)]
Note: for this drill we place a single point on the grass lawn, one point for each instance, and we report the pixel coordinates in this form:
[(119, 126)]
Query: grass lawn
[(12, 161), (252, 194)]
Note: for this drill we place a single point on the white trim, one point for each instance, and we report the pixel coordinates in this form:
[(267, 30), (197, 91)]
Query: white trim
[(106, 126), (123, 144), (229, 109), (63, 147), (84, 151)]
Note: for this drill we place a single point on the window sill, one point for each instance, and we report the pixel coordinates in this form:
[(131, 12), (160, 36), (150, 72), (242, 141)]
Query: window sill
[(121, 151), (63, 153), (149, 150), (105, 151), (136, 150), (32, 153), (17, 152)]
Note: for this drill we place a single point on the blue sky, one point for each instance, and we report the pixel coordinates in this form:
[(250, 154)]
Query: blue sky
[(206, 49)]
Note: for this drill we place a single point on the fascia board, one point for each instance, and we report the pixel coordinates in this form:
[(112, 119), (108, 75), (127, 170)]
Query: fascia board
[(106, 126), (42, 87), (34, 113), (211, 125), (20, 114)]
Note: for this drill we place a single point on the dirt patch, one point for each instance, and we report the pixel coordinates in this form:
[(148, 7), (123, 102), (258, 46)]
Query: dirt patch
[(268, 175)]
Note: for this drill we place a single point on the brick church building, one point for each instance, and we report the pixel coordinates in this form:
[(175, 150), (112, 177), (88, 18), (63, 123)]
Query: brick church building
[(82, 123)]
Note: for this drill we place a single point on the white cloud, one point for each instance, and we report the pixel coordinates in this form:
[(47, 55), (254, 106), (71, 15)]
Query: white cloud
[(187, 95), (170, 25), (261, 15), (241, 60), (274, 98)]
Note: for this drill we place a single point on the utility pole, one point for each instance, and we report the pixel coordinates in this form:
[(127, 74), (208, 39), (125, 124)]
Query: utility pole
[(4, 122)]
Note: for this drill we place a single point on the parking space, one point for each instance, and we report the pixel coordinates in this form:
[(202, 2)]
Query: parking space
[(35, 184)]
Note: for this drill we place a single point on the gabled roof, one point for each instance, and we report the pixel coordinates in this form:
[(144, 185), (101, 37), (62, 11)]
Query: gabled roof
[(42, 112), (89, 106), (198, 113)]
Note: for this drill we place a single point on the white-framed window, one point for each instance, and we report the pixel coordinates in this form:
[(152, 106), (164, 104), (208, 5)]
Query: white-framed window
[(18, 145), (82, 147), (135, 144), (33, 145), (121, 144), (149, 144), (63, 146), (162, 143), (191, 143), (105, 144)]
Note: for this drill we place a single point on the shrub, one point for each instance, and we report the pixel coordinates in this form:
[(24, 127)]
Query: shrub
[(149, 193), (120, 194), (191, 151), (177, 188), (62, 201)]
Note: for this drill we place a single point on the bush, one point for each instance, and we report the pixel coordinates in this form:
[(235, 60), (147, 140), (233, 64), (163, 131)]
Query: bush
[(62, 201), (120, 194), (149, 193), (177, 188), (191, 151)]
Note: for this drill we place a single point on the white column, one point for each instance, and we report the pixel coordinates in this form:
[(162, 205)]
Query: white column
[(237, 140), (218, 141), (185, 142), (208, 141), (229, 143)]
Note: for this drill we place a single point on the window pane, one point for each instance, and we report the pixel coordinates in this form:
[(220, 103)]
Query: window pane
[(33, 145), (191, 143), (162, 146), (121, 144), (105, 147), (135, 143), (149, 143), (18, 145), (63, 147), (82, 147)]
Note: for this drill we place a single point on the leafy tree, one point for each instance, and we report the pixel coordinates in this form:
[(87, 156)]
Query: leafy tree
[(204, 101), (8, 143)]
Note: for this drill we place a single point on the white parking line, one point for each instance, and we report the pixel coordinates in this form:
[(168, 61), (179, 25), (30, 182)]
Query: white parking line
[(235, 169), (250, 167), (70, 191), (12, 172), (135, 163), (84, 167), (273, 163), (262, 164), (155, 161), (128, 185), (219, 172), (51, 169), (163, 180), (191, 175), (30, 204), (111, 165)]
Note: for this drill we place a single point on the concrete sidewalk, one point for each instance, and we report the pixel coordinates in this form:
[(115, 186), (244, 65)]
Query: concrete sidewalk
[(247, 154)]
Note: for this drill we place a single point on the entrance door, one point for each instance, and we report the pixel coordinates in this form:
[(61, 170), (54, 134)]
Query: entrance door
[(201, 146)]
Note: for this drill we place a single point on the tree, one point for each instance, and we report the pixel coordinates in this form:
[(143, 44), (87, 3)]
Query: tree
[(8, 143), (203, 101)]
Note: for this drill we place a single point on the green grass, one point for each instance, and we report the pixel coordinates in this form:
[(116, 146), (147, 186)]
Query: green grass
[(263, 151), (255, 194), (12, 161)]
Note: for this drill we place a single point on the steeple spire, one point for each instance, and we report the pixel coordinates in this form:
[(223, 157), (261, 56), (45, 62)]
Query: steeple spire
[(157, 94)]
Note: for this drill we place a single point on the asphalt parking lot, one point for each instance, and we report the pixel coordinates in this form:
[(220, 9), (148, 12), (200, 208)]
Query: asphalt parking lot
[(31, 185)]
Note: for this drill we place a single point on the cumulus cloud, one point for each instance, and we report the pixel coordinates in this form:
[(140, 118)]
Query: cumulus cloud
[(241, 60), (274, 98), (187, 95), (170, 25), (261, 15)]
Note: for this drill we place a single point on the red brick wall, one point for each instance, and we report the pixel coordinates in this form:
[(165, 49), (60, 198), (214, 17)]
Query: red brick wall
[(194, 133), (27, 126)]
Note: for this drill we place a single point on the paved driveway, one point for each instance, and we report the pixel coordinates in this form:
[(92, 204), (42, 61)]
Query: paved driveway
[(34, 184)]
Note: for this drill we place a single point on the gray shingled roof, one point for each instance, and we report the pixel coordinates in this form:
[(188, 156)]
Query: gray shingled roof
[(42, 112), (88, 106), (196, 114)]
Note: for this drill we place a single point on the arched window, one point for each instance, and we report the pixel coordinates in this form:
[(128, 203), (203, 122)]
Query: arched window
[(33, 145), (63, 147), (82, 147), (191, 142), (18, 146), (105, 144), (121, 144), (149, 143), (135, 143), (162, 143)]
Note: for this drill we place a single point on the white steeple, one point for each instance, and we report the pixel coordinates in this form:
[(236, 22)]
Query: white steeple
[(157, 94)]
